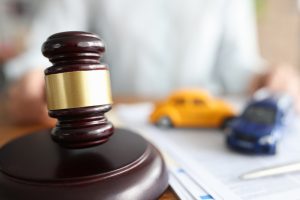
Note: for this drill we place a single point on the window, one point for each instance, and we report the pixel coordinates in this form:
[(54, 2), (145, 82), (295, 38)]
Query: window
[(179, 101), (198, 102), (261, 115)]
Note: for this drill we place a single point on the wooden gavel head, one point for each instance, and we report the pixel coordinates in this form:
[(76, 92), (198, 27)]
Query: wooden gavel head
[(78, 89)]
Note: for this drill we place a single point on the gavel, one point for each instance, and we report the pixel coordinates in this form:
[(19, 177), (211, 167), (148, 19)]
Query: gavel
[(83, 156), (78, 89)]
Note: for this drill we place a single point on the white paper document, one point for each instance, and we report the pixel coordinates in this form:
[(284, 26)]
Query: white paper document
[(210, 169)]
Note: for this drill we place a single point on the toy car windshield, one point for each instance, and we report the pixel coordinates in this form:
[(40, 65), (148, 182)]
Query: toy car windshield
[(260, 115)]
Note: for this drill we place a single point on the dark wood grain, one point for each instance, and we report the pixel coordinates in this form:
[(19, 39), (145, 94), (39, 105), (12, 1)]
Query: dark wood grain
[(126, 167), (79, 162), (73, 51), (10, 131), (81, 127), (77, 51)]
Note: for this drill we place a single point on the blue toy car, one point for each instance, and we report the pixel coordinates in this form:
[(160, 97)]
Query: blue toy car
[(258, 129)]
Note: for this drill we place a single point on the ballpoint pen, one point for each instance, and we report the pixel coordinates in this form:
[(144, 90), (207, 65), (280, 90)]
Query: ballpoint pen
[(272, 171)]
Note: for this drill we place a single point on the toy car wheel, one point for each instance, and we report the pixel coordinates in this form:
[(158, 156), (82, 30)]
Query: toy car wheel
[(164, 122)]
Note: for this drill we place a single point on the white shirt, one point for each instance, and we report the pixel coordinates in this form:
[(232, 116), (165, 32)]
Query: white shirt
[(154, 47)]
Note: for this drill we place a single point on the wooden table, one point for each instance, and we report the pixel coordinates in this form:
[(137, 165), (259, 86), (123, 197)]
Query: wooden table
[(9, 132)]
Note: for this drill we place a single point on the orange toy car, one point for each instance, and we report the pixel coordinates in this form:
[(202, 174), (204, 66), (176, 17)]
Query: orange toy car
[(192, 108)]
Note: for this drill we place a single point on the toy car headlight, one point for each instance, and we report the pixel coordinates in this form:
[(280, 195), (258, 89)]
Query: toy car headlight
[(268, 139)]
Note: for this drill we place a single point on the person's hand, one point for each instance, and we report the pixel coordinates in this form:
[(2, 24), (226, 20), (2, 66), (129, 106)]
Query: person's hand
[(26, 102), (281, 78)]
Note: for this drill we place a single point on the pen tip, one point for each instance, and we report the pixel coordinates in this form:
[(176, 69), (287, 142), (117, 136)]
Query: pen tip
[(245, 177), (252, 175)]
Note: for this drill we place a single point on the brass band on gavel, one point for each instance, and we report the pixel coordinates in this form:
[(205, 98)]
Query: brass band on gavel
[(78, 89)]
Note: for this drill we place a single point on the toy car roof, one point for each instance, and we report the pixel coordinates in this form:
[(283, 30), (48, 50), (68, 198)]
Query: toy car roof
[(190, 93), (281, 100)]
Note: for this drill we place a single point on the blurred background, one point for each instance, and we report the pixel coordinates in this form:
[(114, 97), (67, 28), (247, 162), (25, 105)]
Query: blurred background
[(278, 24), (224, 42)]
